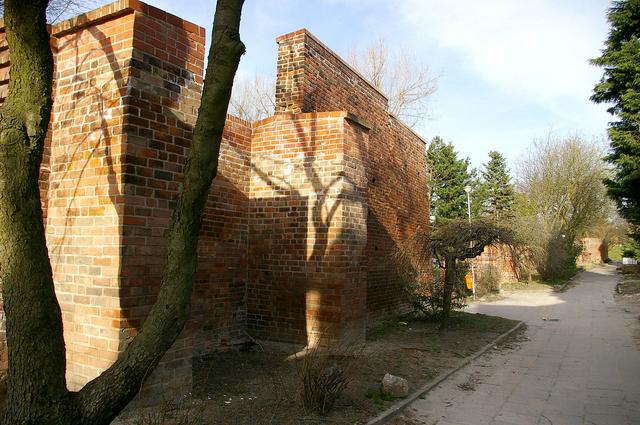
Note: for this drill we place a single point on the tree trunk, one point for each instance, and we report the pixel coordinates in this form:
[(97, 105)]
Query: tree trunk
[(36, 375), (449, 284), (37, 391)]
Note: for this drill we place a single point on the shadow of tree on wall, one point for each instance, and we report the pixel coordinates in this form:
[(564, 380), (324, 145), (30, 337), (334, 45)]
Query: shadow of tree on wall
[(91, 143), (120, 142), (300, 249)]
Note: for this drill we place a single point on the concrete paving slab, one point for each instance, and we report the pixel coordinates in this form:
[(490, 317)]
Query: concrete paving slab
[(579, 364)]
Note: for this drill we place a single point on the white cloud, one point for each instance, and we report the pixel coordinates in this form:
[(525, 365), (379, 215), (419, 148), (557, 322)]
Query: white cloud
[(535, 50)]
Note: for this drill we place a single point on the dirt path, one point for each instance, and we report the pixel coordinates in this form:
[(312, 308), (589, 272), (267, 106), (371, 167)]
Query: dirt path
[(578, 364)]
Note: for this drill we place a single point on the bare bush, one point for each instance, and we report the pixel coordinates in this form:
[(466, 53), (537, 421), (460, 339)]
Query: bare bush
[(423, 284), (324, 372), (488, 280), (253, 98)]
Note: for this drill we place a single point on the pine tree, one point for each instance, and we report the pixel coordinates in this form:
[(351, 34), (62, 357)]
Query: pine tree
[(498, 188), (478, 195), (620, 86), (448, 177)]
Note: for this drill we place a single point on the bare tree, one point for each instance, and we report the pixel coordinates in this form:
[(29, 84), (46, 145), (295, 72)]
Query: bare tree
[(37, 392), (407, 82), (58, 10), (561, 196), (253, 98), (562, 180), (400, 75)]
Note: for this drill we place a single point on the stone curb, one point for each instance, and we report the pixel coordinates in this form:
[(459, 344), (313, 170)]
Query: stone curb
[(394, 410)]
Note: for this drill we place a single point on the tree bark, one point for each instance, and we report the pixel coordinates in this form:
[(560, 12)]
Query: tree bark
[(449, 284), (36, 375), (37, 391)]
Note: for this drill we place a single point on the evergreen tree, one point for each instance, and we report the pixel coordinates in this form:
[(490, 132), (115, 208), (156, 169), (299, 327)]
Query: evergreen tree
[(498, 188), (620, 86), (448, 177), (478, 195)]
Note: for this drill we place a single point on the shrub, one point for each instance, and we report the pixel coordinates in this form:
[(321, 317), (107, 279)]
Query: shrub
[(425, 292), (487, 280), (559, 260)]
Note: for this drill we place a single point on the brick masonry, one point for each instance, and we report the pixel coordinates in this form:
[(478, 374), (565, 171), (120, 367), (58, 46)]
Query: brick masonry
[(311, 77), (594, 250), (300, 223), (307, 231), (497, 259)]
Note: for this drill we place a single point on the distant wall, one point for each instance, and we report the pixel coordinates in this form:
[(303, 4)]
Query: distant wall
[(594, 250), (500, 258)]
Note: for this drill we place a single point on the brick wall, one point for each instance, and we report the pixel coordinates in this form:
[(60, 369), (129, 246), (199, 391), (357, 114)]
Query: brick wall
[(300, 223), (307, 227), (85, 189), (311, 77), (127, 88), (498, 259), (594, 250)]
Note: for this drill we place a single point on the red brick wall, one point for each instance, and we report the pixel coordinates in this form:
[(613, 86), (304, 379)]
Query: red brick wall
[(313, 78), (500, 258), (126, 92), (307, 227), (85, 195), (161, 106), (594, 250), (301, 221), (163, 100)]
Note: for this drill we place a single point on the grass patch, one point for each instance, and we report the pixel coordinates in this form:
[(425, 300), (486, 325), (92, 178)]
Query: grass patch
[(525, 285), (388, 326), (378, 398), (480, 322), (560, 285)]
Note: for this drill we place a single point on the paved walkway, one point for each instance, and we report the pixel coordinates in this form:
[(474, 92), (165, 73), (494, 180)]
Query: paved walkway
[(578, 365)]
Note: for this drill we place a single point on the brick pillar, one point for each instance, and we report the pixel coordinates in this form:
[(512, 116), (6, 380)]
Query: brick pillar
[(86, 183), (127, 89), (307, 280)]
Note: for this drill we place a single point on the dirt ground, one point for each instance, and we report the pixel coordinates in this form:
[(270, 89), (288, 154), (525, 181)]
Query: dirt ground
[(261, 386), (628, 296)]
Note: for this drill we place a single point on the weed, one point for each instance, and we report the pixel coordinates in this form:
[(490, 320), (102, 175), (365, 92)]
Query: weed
[(323, 373), (378, 398)]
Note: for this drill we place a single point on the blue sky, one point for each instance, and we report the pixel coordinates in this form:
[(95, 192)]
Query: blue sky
[(509, 71)]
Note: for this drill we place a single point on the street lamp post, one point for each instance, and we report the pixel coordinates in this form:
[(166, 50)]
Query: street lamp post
[(473, 273)]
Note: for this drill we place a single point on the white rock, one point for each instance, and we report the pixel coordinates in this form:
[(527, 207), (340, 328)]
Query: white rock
[(394, 386)]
